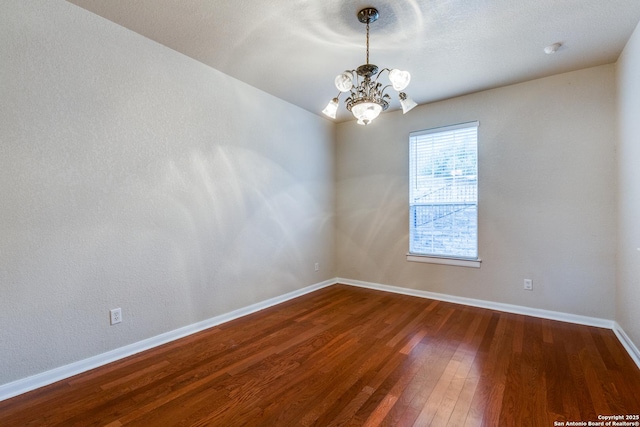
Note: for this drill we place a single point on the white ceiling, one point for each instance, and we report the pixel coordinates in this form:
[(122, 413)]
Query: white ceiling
[(293, 49)]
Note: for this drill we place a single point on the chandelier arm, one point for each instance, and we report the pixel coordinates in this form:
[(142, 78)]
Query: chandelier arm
[(384, 69), (354, 77), (385, 88), (357, 81)]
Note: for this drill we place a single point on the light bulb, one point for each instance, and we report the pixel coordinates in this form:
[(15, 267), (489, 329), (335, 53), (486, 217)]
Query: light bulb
[(332, 108), (365, 112), (399, 79), (407, 103), (344, 82)]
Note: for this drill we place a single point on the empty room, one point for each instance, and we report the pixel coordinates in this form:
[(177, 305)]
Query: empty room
[(319, 213)]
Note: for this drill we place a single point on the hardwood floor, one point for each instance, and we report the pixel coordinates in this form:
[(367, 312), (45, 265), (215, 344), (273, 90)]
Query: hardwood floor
[(354, 357)]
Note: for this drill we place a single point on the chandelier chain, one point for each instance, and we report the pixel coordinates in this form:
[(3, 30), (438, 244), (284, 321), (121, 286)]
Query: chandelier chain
[(367, 42)]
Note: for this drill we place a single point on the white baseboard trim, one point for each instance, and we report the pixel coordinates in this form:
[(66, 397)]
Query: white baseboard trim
[(627, 343), (624, 339), (509, 308), (24, 385)]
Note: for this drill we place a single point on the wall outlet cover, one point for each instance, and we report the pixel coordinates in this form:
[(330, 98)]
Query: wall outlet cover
[(116, 315)]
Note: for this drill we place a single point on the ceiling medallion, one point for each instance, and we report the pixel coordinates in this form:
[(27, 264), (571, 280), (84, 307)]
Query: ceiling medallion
[(367, 95)]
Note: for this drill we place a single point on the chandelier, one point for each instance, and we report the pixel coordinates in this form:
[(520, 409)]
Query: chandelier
[(367, 98)]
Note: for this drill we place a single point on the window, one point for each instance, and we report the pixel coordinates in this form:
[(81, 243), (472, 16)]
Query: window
[(443, 205)]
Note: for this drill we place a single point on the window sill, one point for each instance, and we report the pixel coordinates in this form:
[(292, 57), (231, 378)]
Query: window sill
[(473, 263)]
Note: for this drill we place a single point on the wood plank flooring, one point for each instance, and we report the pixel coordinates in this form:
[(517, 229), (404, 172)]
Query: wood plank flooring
[(345, 356)]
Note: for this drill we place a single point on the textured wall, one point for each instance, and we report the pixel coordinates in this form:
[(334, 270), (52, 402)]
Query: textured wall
[(628, 273), (132, 176), (546, 195)]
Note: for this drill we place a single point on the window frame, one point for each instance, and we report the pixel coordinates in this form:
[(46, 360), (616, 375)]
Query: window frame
[(461, 261)]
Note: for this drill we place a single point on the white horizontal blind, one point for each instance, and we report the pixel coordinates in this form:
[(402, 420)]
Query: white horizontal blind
[(444, 191)]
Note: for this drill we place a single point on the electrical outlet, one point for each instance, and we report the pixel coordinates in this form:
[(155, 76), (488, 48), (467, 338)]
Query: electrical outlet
[(317, 266), (528, 284), (116, 315)]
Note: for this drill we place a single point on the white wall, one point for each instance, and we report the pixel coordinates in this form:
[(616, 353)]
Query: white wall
[(628, 271), (546, 195), (132, 176)]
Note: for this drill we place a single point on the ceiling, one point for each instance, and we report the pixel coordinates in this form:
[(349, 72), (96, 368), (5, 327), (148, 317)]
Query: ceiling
[(293, 49)]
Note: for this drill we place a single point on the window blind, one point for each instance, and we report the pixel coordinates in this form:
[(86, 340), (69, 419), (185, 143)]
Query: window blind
[(444, 191)]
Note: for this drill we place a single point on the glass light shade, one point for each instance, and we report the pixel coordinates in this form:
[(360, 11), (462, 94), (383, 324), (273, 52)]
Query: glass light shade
[(332, 108), (366, 112), (406, 102), (399, 79), (344, 82)]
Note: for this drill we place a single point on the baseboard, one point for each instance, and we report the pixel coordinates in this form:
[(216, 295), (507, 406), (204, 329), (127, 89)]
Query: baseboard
[(57, 374), (627, 343), (509, 308), (624, 339)]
